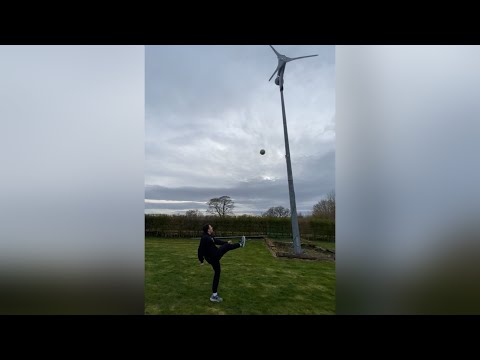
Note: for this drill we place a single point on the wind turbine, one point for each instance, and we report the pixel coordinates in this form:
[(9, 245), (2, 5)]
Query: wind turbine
[(282, 62)]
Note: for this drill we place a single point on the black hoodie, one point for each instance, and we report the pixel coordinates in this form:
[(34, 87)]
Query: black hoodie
[(207, 248)]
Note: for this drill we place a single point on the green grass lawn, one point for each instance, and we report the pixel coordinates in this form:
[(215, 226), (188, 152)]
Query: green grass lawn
[(252, 281), (324, 244)]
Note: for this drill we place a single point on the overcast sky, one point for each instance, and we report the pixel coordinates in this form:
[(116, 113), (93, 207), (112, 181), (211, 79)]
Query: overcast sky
[(211, 109)]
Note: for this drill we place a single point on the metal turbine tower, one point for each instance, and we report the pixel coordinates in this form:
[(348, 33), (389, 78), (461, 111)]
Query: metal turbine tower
[(282, 62)]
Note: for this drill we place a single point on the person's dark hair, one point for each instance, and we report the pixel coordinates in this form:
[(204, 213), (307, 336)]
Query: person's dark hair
[(205, 228)]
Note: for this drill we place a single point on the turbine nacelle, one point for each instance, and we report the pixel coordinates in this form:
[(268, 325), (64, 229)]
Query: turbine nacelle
[(282, 62)]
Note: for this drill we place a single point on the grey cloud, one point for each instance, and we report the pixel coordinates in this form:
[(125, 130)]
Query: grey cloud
[(257, 193), (209, 111)]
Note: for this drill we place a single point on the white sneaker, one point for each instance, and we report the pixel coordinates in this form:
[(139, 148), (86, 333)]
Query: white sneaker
[(216, 298), (243, 241)]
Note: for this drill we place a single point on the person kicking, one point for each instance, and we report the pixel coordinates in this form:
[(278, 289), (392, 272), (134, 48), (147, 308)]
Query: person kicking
[(208, 250)]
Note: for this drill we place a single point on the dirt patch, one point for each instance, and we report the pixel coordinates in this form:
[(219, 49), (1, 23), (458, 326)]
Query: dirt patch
[(309, 251)]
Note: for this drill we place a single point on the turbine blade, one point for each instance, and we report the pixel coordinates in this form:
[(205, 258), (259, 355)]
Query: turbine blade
[(301, 57), (273, 74), (276, 52)]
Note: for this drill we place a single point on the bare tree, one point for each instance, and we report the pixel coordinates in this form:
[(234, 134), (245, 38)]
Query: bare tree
[(277, 211), (193, 213), (325, 208), (222, 206)]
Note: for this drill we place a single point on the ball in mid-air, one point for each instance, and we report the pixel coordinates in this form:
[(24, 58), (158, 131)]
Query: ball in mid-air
[(262, 152)]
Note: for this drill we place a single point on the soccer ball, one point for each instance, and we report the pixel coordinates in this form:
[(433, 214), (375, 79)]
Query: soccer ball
[(262, 152)]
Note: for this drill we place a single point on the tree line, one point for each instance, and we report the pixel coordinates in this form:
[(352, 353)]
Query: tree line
[(223, 206), (311, 228)]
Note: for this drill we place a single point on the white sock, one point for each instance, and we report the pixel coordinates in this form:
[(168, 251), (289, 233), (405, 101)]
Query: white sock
[(215, 294)]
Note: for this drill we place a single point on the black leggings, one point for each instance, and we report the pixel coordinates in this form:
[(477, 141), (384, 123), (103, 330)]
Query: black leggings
[(215, 262)]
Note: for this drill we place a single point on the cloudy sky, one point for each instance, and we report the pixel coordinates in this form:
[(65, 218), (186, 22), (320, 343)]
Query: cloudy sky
[(211, 109)]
